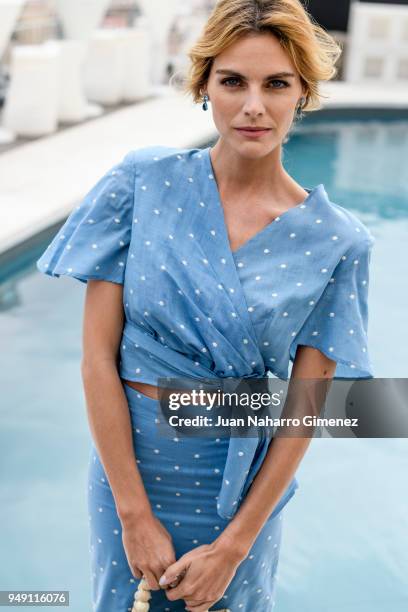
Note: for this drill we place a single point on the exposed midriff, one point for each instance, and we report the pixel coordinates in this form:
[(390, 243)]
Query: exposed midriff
[(149, 390)]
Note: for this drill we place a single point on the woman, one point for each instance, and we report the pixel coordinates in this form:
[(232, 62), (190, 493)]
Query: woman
[(206, 263)]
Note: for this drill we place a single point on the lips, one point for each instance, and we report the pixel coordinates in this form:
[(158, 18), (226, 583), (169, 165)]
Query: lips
[(253, 133)]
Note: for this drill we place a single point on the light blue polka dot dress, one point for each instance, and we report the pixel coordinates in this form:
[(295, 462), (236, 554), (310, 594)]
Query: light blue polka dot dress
[(195, 308)]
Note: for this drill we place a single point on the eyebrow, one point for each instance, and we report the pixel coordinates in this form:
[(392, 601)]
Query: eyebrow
[(271, 76)]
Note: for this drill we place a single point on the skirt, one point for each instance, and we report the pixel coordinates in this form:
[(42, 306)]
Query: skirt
[(182, 476)]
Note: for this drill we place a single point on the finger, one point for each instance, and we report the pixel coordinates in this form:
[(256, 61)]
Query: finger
[(176, 569), (175, 583), (182, 591), (171, 586), (162, 572), (151, 580), (193, 602), (201, 607), (158, 571), (137, 573)]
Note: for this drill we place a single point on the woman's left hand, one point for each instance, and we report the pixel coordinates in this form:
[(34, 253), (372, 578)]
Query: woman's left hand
[(207, 571)]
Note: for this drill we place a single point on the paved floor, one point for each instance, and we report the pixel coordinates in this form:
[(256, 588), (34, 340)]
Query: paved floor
[(42, 180)]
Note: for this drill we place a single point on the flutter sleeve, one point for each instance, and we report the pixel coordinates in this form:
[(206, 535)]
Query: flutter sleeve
[(94, 240), (337, 325)]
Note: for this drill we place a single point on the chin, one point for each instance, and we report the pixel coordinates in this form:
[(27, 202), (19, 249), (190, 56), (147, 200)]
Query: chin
[(255, 149)]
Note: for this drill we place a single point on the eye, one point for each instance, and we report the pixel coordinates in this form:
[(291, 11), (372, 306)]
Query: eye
[(228, 80), (285, 83)]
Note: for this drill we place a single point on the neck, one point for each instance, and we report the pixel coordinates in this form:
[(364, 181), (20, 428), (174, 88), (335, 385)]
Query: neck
[(238, 173)]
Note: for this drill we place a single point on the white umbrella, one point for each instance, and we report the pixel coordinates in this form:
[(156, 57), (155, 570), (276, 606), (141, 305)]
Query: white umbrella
[(9, 13), (79, 18), (160, 15)]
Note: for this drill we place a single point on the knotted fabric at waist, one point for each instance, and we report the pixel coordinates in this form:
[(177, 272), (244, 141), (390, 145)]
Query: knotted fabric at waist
[(168, 362), (245, 454)]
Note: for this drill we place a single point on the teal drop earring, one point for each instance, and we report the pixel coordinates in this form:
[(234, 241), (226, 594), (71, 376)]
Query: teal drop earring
[(300, 107), (205, 105)]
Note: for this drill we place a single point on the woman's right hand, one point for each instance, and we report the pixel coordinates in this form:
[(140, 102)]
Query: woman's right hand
[(148, 547)]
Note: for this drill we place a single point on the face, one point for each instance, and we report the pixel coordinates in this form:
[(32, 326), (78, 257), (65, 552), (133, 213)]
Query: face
[(252, 90)]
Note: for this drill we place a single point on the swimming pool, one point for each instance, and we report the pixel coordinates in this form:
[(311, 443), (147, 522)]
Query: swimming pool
[(344, 542)]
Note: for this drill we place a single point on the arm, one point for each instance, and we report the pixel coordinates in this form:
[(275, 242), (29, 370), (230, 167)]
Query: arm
[(278, 468), (107, 408), (147, 543), (210, 568)]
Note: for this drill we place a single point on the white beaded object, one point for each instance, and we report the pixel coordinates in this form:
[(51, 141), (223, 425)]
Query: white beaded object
[(142, 596)]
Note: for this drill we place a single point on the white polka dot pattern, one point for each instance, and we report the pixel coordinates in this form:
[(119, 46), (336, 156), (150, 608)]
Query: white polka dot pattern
[(187, 508), (155, 223), (193, 307)]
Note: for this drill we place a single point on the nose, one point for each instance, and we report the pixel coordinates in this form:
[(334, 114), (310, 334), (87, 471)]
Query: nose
[(253, 104)]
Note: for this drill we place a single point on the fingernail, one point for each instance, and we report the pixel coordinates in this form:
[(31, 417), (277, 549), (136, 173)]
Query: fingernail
[(163, 580)]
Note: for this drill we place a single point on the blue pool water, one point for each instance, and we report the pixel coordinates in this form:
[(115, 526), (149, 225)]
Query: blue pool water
[(344, 545)]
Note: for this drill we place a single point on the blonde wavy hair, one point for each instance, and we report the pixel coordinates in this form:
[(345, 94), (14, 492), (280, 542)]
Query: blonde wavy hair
[(314, 51)]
